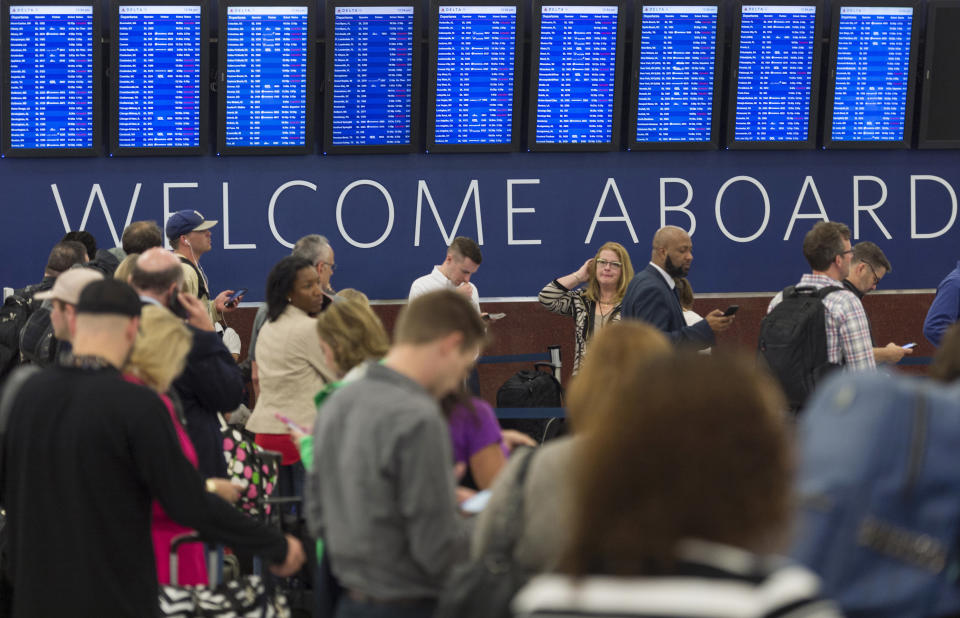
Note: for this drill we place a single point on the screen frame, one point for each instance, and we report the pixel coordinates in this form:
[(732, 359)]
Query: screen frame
[(816, 66), (514, 143), (414, 144), (615, 130), (96, 146), (923, 141), (221, 81), (718, 62), (905, 141), (204, 85)]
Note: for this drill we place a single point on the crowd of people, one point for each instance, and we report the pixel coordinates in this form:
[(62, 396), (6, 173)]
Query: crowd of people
[(672, 495)]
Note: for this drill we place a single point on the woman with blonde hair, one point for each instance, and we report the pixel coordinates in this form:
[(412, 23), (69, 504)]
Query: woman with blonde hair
[(350, 333), (159, 355), (606, 276), (125, 269), (680, 499), (618, 355)]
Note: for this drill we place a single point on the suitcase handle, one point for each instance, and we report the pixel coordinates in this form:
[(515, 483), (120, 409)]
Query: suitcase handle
[(213, 557)]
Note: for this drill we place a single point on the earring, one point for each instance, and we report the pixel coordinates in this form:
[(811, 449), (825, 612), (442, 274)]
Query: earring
[(289, 300)]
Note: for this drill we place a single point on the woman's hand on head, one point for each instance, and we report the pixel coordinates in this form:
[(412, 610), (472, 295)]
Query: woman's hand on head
[(584, 273)]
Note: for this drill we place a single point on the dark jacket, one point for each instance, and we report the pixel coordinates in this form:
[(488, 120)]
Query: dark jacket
[(650, 299), (210, 383), (84, 455)]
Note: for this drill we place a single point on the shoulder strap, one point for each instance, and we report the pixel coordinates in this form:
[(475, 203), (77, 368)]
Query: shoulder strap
[(507, 529), (10, 390), (201, 283), (826, 291)]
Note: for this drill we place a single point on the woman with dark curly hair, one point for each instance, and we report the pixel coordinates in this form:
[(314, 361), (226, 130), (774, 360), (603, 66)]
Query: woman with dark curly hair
[(291, 364), (679, 500)]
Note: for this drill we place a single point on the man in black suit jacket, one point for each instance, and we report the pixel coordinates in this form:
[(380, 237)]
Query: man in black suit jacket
[(211, 380), (651, 295)]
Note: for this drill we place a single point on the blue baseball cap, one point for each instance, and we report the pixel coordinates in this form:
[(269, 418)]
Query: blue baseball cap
[(186, 221)]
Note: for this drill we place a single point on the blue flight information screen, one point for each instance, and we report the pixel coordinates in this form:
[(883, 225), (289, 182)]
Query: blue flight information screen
[(577, 78), (873, 65), (51, 76), (158, 76), (476, 54), (678, 47), (266, 90), (775, 73), (372, 75)]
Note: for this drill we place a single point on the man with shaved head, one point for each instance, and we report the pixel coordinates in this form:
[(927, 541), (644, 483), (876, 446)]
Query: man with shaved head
[(652, 296), (211, 381), (84, 454)]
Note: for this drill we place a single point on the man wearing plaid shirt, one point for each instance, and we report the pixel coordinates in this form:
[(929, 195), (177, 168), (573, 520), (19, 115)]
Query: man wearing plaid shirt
[(827, 249)]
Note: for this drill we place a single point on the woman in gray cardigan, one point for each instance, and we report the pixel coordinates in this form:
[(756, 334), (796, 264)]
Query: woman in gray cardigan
[(606, 276)]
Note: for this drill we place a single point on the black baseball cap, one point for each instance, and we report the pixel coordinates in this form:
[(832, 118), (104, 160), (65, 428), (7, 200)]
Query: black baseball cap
[(109, 297)]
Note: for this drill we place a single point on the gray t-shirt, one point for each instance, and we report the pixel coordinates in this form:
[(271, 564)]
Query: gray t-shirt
[(381, 492)]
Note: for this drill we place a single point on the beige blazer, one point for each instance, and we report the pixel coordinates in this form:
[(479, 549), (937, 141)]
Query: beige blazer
[(292, 369)]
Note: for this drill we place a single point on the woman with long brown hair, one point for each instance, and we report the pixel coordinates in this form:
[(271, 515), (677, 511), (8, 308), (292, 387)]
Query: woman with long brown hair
[(679, 500), (617, 355)]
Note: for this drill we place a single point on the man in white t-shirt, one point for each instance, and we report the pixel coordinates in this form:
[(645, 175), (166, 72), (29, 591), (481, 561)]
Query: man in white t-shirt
[(462, 261)]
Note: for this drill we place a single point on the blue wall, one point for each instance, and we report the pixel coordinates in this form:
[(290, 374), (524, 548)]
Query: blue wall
[(548, 241)]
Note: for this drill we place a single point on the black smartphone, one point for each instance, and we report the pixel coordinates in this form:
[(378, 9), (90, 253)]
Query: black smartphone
[(177, 308), (232, 299), (731, 310)]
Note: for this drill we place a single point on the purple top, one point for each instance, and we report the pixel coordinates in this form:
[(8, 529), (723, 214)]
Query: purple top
[(473, 432)]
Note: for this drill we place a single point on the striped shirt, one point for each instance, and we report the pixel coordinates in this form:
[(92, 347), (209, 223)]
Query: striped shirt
[(848, 332), (711, 581)]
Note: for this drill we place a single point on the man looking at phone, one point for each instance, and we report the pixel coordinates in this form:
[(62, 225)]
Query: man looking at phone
[(189, 235), (211, 381), (462, 261), (652, 295), (827, 249), (868, 266), (381, 489)]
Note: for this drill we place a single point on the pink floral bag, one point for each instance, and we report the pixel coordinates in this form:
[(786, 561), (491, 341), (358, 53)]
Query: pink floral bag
[(254, 469)]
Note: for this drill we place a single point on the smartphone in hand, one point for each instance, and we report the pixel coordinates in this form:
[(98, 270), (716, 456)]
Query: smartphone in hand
[(234, 298), (731, 310), (289, 423), (476, 503)]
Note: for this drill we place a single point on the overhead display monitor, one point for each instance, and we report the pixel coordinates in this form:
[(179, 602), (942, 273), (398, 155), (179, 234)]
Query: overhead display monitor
[(774, 76), (373, 70), (474, 86), (576, 61), (51, 78), (158, 103), (265, 77), (870, 83), (940, 97), (677, 74)]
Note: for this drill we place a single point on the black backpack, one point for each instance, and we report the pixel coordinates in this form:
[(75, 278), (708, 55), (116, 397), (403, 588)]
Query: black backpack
[(530, 389), (14, 314), (533, 389), (37, 343), (793, 341)]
